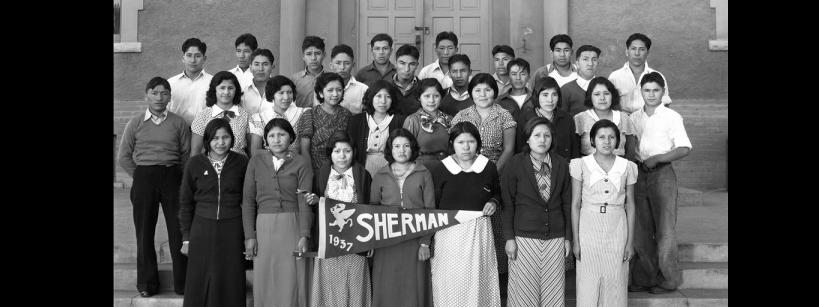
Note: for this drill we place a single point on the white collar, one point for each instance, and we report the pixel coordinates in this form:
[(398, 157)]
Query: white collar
[(615, 174), (615, 116), (347, 173), (384, 125), (148, 114), (268, 111), (201, 73), (239, 70), (480, 163), (645, 70), (216, 110), (351, 82), (583, 83)]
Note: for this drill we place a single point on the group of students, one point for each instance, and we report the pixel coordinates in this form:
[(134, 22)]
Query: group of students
[(558, 166)]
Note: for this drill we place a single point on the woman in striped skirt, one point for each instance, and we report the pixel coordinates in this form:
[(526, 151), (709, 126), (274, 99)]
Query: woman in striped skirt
[(536, 214), (603, 219)]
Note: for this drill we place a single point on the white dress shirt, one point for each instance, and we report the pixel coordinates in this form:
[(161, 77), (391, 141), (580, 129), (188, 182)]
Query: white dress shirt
[(659, 133), (245, 77), (252, 98), (631, 99), (188, 95), (434, 71), (353, 95)]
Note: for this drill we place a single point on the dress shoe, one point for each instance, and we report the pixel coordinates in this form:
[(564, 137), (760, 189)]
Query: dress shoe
[(660, 290), (633, 288), (146, 293)]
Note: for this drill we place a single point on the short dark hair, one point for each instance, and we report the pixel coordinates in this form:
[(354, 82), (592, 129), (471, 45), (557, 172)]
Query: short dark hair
[(312, 41), (461, 128), (401, 132), (381, 37), (615, 94), (338, 137), (523, 63), (376, 87), (460, 57), (210, 95), (342, 48), (426, 83), (281, 123), (544, 84), (325, 78), (407, 50), (248, 39), (194, 42), (653, 77), (529, 127), (503, 48), (585, 48), (604, 123), (157, 81), (263, 52), (446, 35), (484, 78), (639, 36), (210, 132), (560, 38), (275, 84)]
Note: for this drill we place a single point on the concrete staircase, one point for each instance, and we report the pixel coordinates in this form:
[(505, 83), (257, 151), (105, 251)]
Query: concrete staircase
[(702, 232)]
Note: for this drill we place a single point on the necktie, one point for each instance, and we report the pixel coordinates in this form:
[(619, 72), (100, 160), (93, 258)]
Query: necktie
[(343, 180), (227, 115), (544, 180)]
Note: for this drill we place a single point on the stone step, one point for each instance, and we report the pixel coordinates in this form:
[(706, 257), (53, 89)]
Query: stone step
[(688, 197), (679, 298), (125, 276), (704, 275), (702, 252), (130, 298)]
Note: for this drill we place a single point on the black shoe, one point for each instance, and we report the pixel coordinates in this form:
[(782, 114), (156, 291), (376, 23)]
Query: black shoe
[(146, 293), (633, 288), (660, 290)]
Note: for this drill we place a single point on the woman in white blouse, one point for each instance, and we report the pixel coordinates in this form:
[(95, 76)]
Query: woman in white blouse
[(370, 129), (279, 93)]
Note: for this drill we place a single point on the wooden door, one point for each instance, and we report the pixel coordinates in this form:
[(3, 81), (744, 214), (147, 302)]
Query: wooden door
[(469, 19), (398, 18)]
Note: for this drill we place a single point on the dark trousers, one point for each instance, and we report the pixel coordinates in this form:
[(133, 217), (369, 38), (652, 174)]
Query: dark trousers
[(153, 185), (655, 242)]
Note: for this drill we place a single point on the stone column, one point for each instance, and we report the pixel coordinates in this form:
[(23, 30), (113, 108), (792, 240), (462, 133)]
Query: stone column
[(291, 33)]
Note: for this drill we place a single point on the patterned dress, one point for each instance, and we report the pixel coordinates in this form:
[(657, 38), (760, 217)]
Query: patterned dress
[(317, 125), (238, 123), (432, 133), (257, 121)]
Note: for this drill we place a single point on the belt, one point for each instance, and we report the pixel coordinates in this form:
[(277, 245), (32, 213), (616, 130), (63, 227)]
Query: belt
[(602, 206)]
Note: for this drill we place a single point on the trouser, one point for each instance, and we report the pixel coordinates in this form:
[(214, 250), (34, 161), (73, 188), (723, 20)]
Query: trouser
[(153, 185), (655, 243)]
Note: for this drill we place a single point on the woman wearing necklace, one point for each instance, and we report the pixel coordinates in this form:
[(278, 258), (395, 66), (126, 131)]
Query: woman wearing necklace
[(370, 129), (546, 104), (536, 214), (344, 280), (318, 123), (401, 271), (276, 219), (279, 93), (603, 219), (464, 269), (603, 102), (222, 100), (210, 218), (429, 124)]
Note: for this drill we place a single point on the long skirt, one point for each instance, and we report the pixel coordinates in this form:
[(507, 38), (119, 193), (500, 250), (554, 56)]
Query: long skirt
[(374, 162), (602, 275), (536, 276), (464, 268), (279, 279), (399, 279), (216, 272), (341, 281)]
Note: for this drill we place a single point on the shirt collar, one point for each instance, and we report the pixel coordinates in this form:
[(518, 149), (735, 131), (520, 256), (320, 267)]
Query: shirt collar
[(215, 110), (537, 162), (202, 73), (480, 163), (458, 96), (351, 82), (615, 116), (148, 114), (384, 125), (597, 173), (551, 67), (497, 78), (307, 71), (583, 83), (373, 67), (645, 71), (402, 88), (347, 173)]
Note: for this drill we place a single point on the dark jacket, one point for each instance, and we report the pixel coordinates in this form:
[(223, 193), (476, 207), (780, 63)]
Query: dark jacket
[(205, 194), (362, 178), (359, 133), (525, 214), (507, 102), (565, 142)]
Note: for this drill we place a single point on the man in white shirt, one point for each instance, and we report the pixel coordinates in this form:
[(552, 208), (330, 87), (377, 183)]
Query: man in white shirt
[(261, 66), (561, 68), (627, 78), (661, 139), (342, 61), (446, 45), (245, 45), (573, 93), (188, 88)]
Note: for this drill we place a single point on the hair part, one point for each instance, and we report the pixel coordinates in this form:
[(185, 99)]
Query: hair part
[(280, 123), (401, 132), (523, 63), (543, 84), (377, 86), (275, 84), (530, 126), (210, 95), (338, 137), (604, 123), (615, 94), (323, 80), (461, 128), (484, 78)]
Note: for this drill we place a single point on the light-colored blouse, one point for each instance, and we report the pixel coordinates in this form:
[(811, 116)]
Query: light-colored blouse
[(600, 186), (584, 121)]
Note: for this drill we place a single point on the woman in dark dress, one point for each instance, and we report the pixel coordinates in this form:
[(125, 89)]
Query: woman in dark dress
[(370, 129), (210, 219), (545, 103)]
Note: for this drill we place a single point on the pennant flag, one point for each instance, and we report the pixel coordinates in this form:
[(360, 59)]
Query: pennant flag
[(346, 228)]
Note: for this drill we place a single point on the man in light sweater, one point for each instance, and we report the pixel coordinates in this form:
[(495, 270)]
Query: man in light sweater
[(573, 93), (153, 151)]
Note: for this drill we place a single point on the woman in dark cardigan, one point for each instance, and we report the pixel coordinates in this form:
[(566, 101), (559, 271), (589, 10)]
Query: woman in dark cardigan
[(370, 129), (545, 102), (536, 190), (210, 218)]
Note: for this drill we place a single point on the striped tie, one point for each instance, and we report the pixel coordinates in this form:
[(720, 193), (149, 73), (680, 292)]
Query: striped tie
[(544, 180)]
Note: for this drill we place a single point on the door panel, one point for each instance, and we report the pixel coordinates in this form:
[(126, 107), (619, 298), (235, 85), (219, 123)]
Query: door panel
[(469, 20), (398, 18)]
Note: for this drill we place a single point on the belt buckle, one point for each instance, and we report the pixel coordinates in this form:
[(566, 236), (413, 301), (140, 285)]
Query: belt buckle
[(603, 208)]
